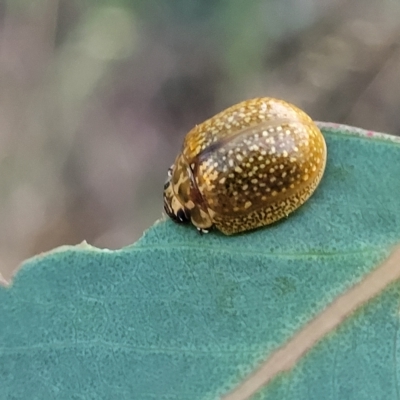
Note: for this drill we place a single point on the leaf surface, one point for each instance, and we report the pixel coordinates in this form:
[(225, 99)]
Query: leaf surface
[(180, 315)]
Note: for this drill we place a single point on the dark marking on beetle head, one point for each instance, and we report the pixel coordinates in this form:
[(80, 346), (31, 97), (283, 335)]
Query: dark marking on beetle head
[(172, 206)]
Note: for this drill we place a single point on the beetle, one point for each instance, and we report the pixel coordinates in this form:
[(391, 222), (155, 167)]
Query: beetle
[(248, 166)]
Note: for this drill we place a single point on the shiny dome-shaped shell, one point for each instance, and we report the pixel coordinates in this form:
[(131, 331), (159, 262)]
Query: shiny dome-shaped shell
[(254, 163)]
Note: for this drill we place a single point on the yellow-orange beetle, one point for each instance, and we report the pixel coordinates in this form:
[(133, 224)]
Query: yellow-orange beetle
[(246, 167)]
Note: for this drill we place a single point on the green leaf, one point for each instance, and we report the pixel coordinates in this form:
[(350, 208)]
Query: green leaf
[(180, 315)]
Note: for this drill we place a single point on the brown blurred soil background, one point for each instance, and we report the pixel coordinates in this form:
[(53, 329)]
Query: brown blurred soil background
[(97, 95)]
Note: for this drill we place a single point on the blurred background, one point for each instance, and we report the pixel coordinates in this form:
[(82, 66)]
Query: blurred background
[(97, 95)]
